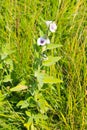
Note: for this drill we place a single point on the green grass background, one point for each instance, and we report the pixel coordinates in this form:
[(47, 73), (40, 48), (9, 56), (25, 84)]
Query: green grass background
[(21, 23)]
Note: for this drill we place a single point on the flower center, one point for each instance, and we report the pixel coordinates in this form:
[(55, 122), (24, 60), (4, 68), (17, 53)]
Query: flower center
[(52, 27), (42, 41)]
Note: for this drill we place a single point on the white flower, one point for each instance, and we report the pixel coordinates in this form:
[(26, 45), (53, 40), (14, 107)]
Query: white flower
[(53, 27), (48, 23), (41, 41)]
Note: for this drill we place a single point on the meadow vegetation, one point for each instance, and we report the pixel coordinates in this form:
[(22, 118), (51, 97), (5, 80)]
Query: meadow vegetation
[(43, 87)]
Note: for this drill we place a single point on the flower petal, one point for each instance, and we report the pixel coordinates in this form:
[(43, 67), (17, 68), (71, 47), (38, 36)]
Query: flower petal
[(41, 41), (48, 23), (53, 27)]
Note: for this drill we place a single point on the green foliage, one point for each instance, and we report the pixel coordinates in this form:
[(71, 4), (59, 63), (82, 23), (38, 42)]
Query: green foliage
[(6, 64), (43, 88)]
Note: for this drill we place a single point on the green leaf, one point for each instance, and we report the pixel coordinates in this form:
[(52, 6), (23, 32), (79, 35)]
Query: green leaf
[(23, 104), (44, 78), (28, 113), (39, 117), (51, 80), (53, 46), (21, 86), (40, 77), (29, 123), (32, 127), (51, 60), (42, 104), (3, 56), (1, 67), (2, 96), (7, 78)]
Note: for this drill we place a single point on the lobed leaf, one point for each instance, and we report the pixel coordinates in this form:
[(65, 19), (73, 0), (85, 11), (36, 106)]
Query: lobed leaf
[(51, 60), (47, 79)]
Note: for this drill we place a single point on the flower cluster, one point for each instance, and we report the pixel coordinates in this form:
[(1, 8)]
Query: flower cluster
[(52, 27)]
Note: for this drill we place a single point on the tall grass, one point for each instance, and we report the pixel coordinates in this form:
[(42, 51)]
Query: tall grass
[(21, 24)]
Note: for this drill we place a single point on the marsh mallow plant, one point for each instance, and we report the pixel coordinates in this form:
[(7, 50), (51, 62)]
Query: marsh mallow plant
[(36, 105)]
